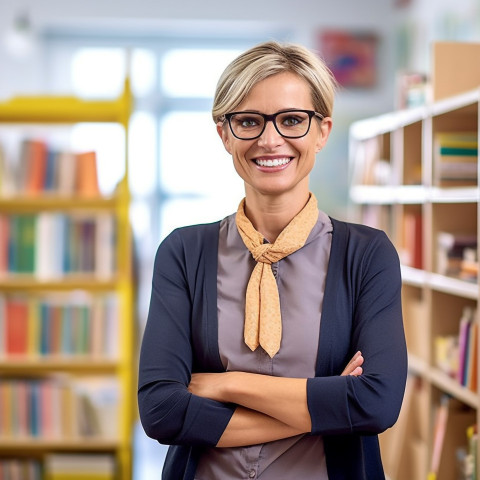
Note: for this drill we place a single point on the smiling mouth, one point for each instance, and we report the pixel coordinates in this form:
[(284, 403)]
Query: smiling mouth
[(276, 162)]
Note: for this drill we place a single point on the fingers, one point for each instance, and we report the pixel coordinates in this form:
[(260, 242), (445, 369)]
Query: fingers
[(354, 366)]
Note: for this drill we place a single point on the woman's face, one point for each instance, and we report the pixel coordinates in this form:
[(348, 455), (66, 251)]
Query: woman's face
[(295, 158)]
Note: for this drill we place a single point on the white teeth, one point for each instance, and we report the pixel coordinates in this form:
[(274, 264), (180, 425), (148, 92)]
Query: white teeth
[(272, 163)]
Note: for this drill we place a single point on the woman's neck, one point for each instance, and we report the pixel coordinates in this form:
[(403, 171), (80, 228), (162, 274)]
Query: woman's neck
[(270, 214)]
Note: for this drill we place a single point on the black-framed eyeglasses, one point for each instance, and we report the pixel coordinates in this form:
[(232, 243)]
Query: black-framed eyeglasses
[(288, 123)]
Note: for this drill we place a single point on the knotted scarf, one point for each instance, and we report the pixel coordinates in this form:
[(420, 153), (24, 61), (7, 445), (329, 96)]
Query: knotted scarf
[(263, 322)]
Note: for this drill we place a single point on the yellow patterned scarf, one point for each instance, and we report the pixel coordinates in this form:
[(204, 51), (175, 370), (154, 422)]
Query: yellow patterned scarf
[(263, 322)]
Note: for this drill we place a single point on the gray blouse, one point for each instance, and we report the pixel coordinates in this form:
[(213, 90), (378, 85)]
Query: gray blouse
[(301, 290)]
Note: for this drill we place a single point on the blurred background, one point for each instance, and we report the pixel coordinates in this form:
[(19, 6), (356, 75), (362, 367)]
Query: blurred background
[(173, 53)]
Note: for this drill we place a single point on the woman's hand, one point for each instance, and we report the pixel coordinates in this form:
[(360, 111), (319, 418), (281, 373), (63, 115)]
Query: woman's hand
[(209, 385), (354, 366)]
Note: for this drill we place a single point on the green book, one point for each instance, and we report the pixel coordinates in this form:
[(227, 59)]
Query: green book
[(26, 243)]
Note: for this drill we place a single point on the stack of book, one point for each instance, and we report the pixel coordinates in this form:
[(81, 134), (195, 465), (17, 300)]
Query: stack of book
[(457, 255), (456, 158)]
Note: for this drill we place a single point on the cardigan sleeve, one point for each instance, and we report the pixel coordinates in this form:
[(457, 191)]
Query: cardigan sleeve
[(370, 403), (168, 411)]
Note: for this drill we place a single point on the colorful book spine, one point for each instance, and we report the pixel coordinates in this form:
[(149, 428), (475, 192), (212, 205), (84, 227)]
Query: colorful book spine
[(59, 408), (50, 245), (455, 158), (59, 326), (41, 168)]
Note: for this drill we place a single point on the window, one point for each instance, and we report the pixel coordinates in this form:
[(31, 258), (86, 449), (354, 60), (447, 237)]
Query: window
[(179, 172)]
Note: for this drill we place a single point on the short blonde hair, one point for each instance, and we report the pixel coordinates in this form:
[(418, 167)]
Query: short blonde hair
[(265, 60)]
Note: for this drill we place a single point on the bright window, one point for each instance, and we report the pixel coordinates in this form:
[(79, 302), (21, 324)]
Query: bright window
[(194, 72)]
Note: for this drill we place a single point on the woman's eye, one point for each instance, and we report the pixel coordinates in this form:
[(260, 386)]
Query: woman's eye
[(291, 121), (247, 122)]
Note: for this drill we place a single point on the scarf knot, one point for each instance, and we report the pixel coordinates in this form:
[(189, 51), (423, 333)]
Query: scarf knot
[(263, 323), (263, 253)]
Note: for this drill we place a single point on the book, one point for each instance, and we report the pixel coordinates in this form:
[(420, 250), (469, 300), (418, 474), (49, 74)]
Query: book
[(62, 466), (463, 340), (470, 377), (26, 243), (66, 173), (4, 243), (87, 174), (455, 158), (412, 252), (451, 250), (104, 246), (440, 425), (16, 324), (36, 166)]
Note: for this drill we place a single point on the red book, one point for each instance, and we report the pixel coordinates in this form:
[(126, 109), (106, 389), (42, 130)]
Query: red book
[(36, 166), (16, 315)]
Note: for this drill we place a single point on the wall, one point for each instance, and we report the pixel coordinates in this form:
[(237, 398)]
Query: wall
[(404, 27)]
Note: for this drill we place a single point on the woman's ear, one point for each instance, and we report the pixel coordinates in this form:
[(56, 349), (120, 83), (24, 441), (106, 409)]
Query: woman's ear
[(324, 132), (223, 133)]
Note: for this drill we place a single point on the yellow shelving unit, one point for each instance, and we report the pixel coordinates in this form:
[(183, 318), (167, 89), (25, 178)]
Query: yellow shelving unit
[(54, 111)]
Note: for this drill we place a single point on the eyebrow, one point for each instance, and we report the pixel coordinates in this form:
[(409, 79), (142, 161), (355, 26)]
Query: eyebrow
[(278, 111)]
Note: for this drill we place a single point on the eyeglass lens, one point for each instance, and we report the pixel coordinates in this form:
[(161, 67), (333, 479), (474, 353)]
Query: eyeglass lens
[(289, 124)]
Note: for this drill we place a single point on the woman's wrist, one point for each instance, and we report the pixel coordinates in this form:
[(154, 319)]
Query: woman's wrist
[(231, 387)]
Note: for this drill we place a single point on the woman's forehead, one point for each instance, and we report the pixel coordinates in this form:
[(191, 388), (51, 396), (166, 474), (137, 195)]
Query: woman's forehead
[(277, 92)]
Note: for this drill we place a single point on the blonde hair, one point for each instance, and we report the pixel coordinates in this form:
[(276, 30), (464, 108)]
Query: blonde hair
[(265, 60)]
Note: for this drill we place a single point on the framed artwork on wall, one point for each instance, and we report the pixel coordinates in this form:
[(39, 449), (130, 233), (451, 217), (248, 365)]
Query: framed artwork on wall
[(352, 56)]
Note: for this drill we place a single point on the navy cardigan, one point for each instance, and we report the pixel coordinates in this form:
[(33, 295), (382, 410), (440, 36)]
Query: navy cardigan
[(361, 311)]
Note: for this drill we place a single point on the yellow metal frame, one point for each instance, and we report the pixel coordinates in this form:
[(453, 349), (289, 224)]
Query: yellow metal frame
[(70, 110)]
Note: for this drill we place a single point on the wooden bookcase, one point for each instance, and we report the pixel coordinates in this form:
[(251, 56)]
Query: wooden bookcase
[(93, 388), (393, 159)]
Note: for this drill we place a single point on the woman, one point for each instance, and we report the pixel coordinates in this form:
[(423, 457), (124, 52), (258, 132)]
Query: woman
[(250, 364)]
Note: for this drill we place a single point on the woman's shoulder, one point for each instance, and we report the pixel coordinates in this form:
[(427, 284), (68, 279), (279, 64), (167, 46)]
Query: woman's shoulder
[(194, 234), (357, 231), (355, 237)]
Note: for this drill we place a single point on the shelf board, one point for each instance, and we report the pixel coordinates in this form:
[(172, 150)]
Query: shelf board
[(449, 385), (456, 102), (412, 194), (417, 365), (388, 195), (413, 276), (54, 202), (441, 283), (387, 123), (441, 380), (453, 286), (73, 282), (56, 109), (77, 444), (454, 195), (38, 364)]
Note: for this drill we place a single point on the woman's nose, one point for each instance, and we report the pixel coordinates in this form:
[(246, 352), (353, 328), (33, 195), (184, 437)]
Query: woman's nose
[(270, 136)]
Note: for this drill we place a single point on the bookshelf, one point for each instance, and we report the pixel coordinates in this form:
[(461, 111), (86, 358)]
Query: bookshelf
[(433, 221), (66, 300)]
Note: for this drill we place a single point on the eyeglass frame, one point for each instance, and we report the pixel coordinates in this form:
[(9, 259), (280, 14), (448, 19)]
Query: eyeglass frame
[(273, 118)]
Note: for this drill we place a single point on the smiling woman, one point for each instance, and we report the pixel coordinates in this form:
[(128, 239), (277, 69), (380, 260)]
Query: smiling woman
[(274, 346), (271, 156)]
